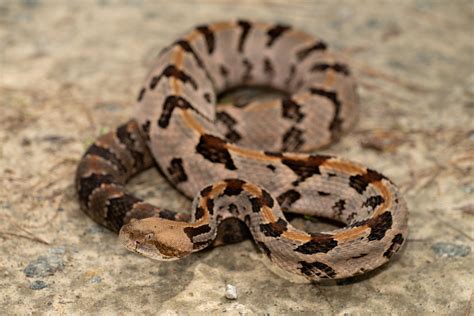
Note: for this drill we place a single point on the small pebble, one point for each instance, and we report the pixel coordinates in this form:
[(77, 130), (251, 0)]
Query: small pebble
[(230, 292), (38, 285), (44, 266), (96, 279), (445, 249)]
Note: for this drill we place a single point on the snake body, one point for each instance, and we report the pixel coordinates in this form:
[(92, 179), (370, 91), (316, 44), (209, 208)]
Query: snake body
[(240, 161)]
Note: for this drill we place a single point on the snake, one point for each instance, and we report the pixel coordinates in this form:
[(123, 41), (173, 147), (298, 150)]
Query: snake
[(246, 163)]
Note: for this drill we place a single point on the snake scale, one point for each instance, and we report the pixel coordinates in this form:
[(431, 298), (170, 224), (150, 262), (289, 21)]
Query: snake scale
[(246, 163)]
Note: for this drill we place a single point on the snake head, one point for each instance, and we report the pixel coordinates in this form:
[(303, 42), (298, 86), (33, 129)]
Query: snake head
[(156, 238)]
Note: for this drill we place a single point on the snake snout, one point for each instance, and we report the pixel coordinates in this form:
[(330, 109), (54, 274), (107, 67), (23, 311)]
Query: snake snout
[(156, 238)]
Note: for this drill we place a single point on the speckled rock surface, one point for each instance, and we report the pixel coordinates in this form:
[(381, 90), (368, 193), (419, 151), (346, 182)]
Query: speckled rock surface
[(71, 70)]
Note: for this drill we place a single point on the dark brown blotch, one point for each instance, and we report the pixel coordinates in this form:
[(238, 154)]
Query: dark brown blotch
[(233, 209), (336, 123), (192, 232), (292, 139), (256, 204), (214, 149), (247, 76), (176, 172), (274, 229), (187, 48), (397, 242), (271, 167), (379, 226), (198, 213), (233, 186), (129, 135), (360, 182), (291, 110), (305, 168), (210, 205), (264, 200), (88, 184), (171, 71), (318, 269), (204, 192), (373, 201), (146, 129), (339, 206), (287, 198), (207, 97), (171, 102), (224, 71), (208, 36), (245, 26), (319, 243), (229, 122), (305, 52), (201, 244), (267, 199), (276, 32), (167, 214), (268, 68), (141, 94), (117, 208)]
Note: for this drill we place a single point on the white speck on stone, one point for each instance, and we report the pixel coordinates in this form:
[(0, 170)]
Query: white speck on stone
[(230, 292)]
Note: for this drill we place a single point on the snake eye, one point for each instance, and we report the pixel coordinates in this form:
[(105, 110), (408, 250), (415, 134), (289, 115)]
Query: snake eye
[(149, 236)]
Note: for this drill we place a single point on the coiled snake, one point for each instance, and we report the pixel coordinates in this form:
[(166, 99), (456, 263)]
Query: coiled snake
[(240, 161)]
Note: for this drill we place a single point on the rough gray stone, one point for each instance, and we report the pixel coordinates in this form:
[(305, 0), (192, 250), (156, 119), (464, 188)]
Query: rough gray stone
[(445, 249), (44, 266), (38, 285)]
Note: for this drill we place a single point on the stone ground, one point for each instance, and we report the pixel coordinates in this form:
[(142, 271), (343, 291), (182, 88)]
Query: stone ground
[(70, 70)]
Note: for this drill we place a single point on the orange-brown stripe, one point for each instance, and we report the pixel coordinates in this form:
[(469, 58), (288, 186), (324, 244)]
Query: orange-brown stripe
[(387, 196), (178, 58), (252, 189), (191, 121), (296, 235), (218, 26), (351, 234), (344, 167), (267, 215), (249, 153)]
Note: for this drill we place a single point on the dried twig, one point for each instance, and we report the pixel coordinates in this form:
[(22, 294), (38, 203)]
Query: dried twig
[(29, 237)]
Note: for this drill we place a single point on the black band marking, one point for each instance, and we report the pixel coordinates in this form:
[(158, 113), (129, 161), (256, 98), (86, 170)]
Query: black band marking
[(245, 26), (276, 32), (172, 71), (336, 123), (305, 52), (209, 37)]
